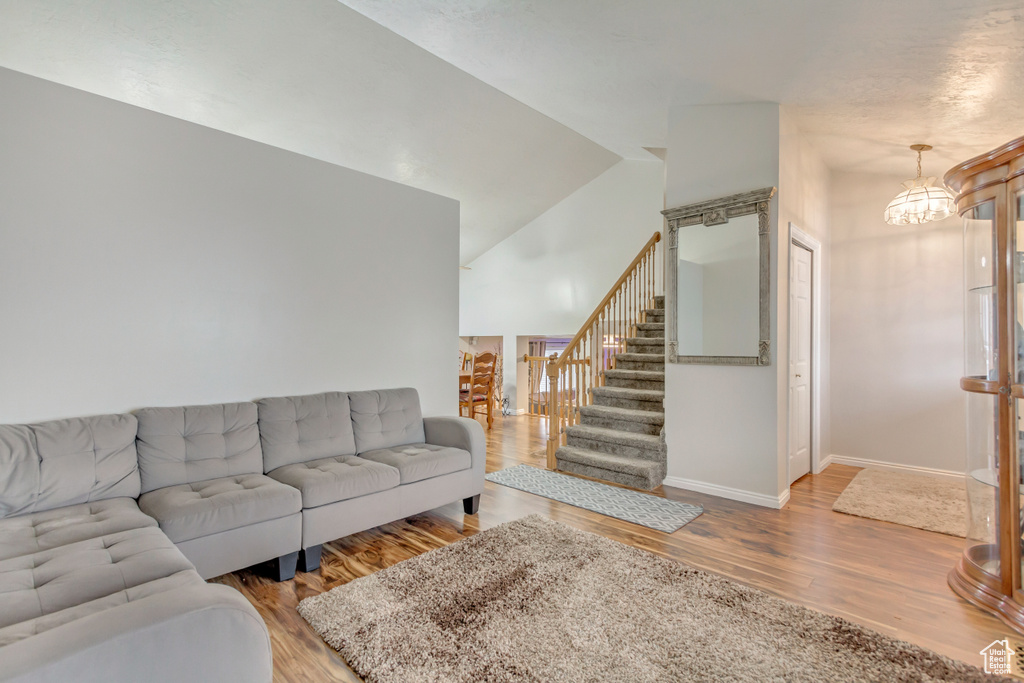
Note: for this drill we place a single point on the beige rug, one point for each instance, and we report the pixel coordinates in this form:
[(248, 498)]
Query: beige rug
[(534, 600), (915, 500)]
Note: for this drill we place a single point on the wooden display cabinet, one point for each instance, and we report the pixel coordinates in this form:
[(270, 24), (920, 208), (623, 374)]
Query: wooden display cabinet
[(990, 199)]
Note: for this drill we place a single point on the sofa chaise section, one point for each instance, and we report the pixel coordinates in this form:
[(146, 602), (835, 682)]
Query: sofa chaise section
[(311, 443), (189, 632), (87, 579), (202, 480)]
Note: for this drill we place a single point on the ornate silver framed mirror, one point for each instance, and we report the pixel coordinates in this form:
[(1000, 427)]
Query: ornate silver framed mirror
[(717, 276)]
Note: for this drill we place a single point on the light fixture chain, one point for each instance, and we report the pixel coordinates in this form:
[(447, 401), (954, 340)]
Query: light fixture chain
[(918, 163)]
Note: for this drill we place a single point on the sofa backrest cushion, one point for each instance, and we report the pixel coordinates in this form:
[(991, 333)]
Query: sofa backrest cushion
[(386, 418), (67, 462), (195, 443), (296, 429)]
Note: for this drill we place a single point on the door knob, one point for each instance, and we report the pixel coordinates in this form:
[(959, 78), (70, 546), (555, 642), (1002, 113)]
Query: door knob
[(798, 375)]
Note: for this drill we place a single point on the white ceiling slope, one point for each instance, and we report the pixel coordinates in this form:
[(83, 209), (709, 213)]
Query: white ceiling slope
[(865, 79), (317, 78)]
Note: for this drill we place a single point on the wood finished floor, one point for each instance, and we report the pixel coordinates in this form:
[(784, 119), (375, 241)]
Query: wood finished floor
[(884, 576)]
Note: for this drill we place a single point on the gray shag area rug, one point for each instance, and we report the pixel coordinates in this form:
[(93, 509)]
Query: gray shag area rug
[(915, 500), (534, 600), (650, 511)]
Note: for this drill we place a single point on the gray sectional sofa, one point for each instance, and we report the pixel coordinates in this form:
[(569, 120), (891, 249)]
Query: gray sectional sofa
[(110, 524)]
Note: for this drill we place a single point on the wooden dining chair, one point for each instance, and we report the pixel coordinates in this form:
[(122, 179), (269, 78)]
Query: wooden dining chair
[(481, 391)]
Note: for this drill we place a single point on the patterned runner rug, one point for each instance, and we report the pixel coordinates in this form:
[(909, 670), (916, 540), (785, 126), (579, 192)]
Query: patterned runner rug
[(630, 506)]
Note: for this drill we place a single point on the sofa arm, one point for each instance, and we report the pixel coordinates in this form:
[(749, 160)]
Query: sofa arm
[(204, 632), (458, 432)]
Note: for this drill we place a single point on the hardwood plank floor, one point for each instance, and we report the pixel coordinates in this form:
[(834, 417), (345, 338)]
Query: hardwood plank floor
[(884, 576)]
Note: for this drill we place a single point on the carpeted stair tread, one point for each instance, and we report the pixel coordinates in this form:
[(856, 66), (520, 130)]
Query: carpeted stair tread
[(650, 330), (644, 375), (637, 379), (633, 394), (615, 436), (606, 461), (623, 414), (659, 301), (648, 345), (641, 357)]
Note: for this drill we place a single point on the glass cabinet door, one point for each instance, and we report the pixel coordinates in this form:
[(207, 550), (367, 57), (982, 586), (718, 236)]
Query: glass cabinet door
[(980, 311), (981, 362)]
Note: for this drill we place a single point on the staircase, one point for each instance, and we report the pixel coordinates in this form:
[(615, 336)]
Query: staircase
[(619, 435)]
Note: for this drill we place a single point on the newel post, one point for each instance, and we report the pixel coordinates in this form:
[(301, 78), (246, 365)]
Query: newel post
[(554, 410)]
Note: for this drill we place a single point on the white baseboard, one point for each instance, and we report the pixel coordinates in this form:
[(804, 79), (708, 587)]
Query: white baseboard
[(730, 493), (879, 465), (519, 411), (824, 463)]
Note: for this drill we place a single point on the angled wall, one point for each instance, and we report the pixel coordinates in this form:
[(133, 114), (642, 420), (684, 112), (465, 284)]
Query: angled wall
[(150, 261)]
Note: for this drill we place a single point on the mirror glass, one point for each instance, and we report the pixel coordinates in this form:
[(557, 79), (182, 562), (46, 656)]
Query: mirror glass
[(718, 288)]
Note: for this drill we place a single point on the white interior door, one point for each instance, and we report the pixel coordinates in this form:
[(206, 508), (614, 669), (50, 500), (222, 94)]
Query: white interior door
[(800, 369)]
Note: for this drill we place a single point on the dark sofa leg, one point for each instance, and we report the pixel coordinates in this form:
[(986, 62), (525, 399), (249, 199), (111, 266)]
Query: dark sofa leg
[(283, 568), (471, 505), (309, 558)]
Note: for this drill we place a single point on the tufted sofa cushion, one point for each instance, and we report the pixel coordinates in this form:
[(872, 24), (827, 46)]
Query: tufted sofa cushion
[(27, 534), (385, 418), (418, 461), (196, 443), (67, 462), (49, 581), (332, 479), (32, 627), (295, 429), (202, 508)]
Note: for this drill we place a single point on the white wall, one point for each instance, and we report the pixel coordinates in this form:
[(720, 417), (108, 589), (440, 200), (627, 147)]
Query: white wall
[(726, 426), (721, 421), (897, 331), (150, 261), (547, 278)]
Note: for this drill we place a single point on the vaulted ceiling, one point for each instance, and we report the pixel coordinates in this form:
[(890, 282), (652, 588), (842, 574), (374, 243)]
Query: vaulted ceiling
[(865, 78), (511, 106), (318, 78)]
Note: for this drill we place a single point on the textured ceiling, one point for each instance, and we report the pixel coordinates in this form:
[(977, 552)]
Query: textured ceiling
[(454, 96), (314, 77), (865, 79)]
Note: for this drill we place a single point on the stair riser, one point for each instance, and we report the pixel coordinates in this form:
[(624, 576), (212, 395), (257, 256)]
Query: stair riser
[(659, 301), (655, 455), (608, 475), (654, 317), (648, 334), (628, 403), (640, 365), (644, 346), (622, 425), (653, 385)]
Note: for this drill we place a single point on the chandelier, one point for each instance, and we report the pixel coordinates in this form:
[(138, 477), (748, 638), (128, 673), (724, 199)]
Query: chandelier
[(921, 200)]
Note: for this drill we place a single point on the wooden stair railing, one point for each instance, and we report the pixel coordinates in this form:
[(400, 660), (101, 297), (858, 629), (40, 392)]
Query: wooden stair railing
[(582, 364)]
